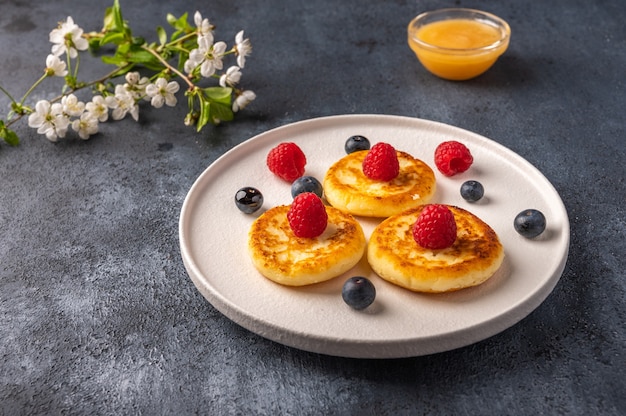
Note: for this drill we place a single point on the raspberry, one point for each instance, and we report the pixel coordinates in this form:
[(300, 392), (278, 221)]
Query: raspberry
[(381, 163), (452, 157), (307, 215), (435, 227), (287, 161)]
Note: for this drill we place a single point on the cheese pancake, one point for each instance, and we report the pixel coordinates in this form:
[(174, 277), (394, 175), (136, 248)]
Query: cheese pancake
[(347, 188), (396, 257), (294, 261)]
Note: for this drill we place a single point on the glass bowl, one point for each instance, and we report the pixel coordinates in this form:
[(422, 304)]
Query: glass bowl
[(458, 44)]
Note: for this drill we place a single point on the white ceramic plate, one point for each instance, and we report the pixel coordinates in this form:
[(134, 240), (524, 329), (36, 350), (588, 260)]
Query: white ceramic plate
[(400, 323)]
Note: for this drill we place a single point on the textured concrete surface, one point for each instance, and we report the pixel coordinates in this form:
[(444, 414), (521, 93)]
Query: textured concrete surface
[(97, 313)]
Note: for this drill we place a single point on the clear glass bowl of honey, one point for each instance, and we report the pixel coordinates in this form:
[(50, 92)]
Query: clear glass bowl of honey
[(458, 44)]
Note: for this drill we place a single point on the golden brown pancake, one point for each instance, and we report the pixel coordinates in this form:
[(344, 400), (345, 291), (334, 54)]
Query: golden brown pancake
[(473, 258), (347, 188), (294, 261)]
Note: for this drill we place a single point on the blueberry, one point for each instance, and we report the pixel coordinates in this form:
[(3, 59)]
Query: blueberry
[(356, 143), (358, 292), (530, 223), (248, 199), (472, 191), (306, 184)]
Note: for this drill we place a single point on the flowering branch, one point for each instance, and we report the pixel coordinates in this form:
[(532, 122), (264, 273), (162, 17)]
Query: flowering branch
[(198, 58)]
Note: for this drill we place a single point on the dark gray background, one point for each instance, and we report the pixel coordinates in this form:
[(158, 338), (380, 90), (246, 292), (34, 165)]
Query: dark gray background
[(97, 313)]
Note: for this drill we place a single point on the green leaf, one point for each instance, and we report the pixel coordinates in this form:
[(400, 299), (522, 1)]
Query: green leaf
[(113, 37), (109, 19), (123, 49), (170, 19), (215, 106), (9, 136), (94, 44), (162, 35), (117, 15), (138, 40), (114, 60), (129, 53), (178, 23), (115, 29), (142, 57), (182, 57), (12, 138), (219, 94), (176, 35), (205, 114), (222, 112)]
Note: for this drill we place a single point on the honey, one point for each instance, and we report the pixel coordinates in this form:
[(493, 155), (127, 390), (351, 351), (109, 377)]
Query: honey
[(458, 48)]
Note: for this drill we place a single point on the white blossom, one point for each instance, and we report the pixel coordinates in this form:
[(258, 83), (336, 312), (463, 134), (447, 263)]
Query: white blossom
[(55, 66), (213, 59), (205, 28), (162, 92), (86, 125), (195, 59), (136, 85), (243, 48), (71, 105), (208, 56), (98, 108), (231, 77), (197, 55), (132, 78), (68, 38), (243, 100), (41, 118), (122, 103), (49, 119)]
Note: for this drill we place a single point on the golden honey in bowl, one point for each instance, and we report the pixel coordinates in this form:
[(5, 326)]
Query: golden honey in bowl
[(458, 44)]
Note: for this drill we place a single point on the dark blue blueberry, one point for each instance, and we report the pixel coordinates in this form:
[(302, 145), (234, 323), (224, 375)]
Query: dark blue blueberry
[(530, 223), (356, 143), (358, 292), (248, 199), (306, 184), (472, 191)]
